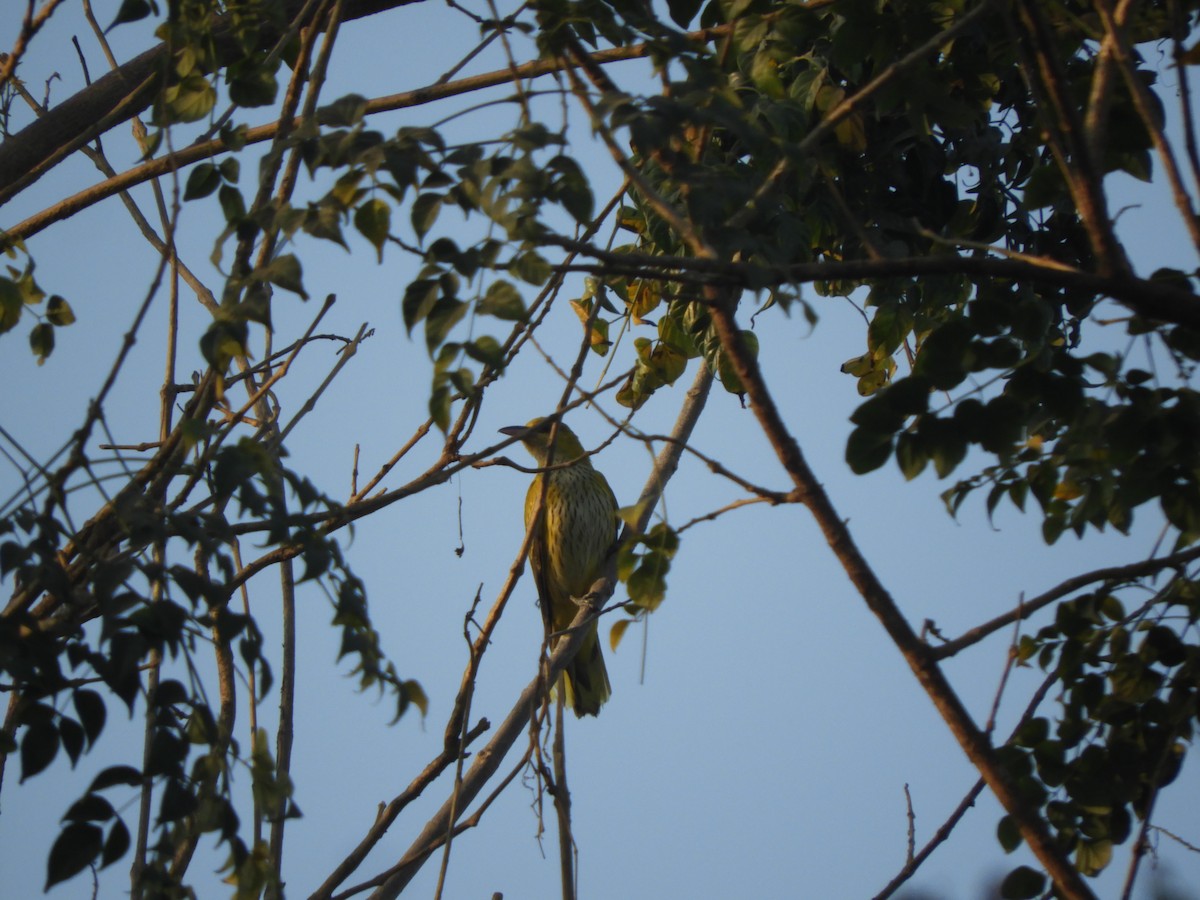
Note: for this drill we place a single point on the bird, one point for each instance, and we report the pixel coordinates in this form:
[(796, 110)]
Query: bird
[(575, 532)]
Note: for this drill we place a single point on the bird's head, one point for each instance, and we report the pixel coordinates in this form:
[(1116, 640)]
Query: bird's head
[(535, 435)]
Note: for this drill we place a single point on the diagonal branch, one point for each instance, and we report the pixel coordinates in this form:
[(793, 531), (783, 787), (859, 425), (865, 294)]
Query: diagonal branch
[(916, 653), (1111, 575)]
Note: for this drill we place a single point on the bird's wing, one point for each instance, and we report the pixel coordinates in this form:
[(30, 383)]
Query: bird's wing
[(612, 499), (537, 551)]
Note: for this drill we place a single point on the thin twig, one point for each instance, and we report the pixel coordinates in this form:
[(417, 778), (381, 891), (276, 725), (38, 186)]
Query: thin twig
[(1112, 575)]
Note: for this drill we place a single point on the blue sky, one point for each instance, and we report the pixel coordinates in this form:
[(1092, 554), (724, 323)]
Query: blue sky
[(766, 750)]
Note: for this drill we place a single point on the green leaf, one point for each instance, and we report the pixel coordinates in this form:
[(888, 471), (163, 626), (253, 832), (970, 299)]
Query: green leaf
[(867, 450), (1033, 732), (233, 205), (948, 452), (530, 268), (617, 632), (889, 326), (571, 189), (344, 112), (503, 301), (11, 304), (663, 539), (942, 357), (419, 298), (71, 734), (283, 271), (189, 100), (373, 220), (910, 455), (444, 315), (59, 312), (647, 584), (224, 341), (425, 211), (1008, 834), (1022, 883), (487, 350), (671, 333), (1093, 856), (439, 406), (667, 364), (202, 181), (74, 850), (415, 694), (252, 86), (41, 341)]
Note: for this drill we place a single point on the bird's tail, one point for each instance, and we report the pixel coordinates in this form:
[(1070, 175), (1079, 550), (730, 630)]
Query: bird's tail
[(585, 679)]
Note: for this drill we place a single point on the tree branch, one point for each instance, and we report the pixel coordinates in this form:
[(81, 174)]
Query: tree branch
[(1111, 575), (1151, 299), (916, 653)]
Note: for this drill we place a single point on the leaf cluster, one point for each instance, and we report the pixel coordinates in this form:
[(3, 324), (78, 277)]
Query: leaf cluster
[(1127, 710)]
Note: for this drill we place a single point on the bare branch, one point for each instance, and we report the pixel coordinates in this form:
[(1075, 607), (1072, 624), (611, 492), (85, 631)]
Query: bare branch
[(1112, 575)]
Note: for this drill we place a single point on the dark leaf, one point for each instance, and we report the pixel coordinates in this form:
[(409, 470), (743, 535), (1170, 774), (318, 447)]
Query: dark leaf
[(117, 844), (252, 85), (683, 11), (284, 271), (503, 301), (114, 775), (73, 851), (90, 808), (41, 341), (59, 312), (343, 112), (131, 11), (419, 298), (92, 712), (1009, 834), (867, 450), (72, 736), (373, 219), (425, 211), (38, 747), (202, 181), (1022, 883)]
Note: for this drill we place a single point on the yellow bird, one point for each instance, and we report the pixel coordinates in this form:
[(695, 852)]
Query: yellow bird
[(577, 529)]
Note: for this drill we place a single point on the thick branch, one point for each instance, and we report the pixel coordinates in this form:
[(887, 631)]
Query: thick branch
[(1151, 299)]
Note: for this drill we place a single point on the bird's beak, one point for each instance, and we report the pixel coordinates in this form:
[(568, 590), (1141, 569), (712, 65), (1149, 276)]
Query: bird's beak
[(514, 430)]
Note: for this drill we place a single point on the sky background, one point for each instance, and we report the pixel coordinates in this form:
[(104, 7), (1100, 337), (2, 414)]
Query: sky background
[(765, 751)]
